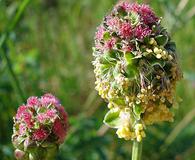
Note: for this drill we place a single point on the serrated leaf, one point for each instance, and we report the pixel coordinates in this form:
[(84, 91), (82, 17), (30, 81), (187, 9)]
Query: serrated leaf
[(112, 118)]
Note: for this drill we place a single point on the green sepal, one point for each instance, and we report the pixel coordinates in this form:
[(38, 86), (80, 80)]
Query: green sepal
[(146, 40), (134, 17), (138, 110), (130, 71), (119, 101), (112, 118), (121, 11), (128, 58), (171, 46), (158, 62), (18, 142), (161, 39), (106, 36), (109, 57), (48, 144)]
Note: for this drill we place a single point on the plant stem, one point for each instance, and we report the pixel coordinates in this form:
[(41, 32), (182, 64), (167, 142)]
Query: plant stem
[(14, 79), (3, 47), (136, 150)]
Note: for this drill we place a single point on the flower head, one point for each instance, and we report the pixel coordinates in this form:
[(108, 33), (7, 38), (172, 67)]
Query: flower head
[(125, 30), (42, 120), (33, 101), (141, 32), (136, 69)]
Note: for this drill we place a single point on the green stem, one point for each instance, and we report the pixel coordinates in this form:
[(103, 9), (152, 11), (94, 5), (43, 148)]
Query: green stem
[(14, 79), (136, 150), (3, 48)]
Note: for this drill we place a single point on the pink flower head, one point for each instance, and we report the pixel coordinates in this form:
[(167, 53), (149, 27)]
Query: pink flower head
[(40, 134), (20, 111), (141, 32), (127, 47), (100, 33), (135, 7), (110, 44), (48, 99), (64, 114), (42, 117), (148, 15), (22, 129), (46, 123), (48, 115), (125, 6), (33, 101), (125, 30), (28, 119), (59, 130), (51, 113), (113, 23)]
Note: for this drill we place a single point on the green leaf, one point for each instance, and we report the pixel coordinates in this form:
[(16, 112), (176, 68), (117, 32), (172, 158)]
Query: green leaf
[(161, 39), (112, 118)]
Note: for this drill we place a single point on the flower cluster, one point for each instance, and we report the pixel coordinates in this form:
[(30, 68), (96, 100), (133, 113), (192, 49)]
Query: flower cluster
[(42, 122), (136, 69)]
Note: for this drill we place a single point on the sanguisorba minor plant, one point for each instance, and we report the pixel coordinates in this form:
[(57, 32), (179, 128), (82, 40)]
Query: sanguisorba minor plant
[(136, 71), (40, 126)]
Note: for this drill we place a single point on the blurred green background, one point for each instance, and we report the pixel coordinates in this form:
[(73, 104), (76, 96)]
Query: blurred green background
[(49, 50)]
